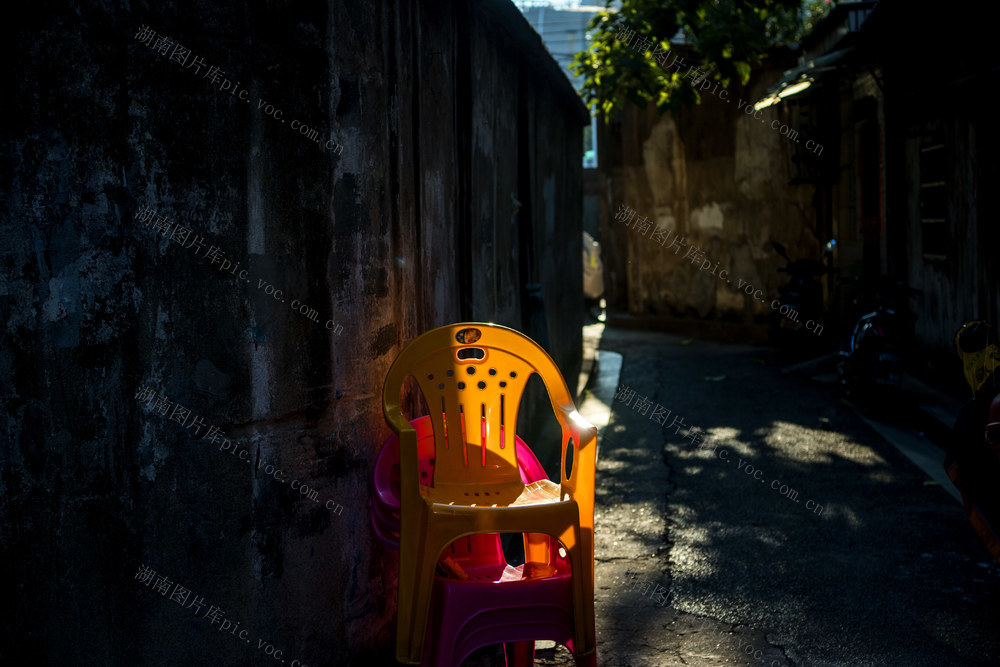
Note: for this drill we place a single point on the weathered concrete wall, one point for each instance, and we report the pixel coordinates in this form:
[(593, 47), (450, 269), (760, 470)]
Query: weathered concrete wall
[(885, 95), (718, 179), (960, 281), (406, 221), (958, 272)]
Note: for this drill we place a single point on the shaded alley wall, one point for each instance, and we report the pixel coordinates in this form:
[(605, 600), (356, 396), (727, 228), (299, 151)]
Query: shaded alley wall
[(216, 239), (717, 179), (905, 175), (941, 232)]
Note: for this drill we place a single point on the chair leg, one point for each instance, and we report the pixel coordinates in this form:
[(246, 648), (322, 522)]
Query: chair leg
[(581, 560), (590, 619), (416, 574), (589, 660), (536, 548), (519, 654), (407, 647)]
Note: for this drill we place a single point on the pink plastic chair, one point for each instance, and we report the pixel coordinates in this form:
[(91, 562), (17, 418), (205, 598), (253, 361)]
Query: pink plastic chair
[(514, 606), (497, 603), (384, 503)]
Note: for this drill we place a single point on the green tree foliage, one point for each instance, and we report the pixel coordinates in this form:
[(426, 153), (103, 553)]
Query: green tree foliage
[(726, 39)]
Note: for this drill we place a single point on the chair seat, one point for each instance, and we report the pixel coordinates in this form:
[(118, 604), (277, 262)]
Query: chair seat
[(497, 573), (515, 494), (538, 493), (384, 507)]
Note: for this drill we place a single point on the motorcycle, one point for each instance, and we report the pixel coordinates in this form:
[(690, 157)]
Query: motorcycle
[(879, 341), (973, 457), (803, 294)]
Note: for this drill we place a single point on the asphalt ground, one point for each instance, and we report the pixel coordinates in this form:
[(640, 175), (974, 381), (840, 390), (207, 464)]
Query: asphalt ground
[(889, 572), (793, 533)]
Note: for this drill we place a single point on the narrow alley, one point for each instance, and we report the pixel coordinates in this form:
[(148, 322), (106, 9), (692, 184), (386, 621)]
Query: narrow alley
[(702, 561), (470, 333)]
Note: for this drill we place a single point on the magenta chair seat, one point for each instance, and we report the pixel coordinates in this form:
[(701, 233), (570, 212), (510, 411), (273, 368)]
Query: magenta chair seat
[(502, 606), (498, 603)]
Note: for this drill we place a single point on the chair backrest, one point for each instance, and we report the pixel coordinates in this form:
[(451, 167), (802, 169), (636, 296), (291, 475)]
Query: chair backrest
[(472, 376)]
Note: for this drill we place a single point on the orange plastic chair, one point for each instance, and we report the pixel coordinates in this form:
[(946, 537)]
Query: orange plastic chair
[(472, 376)]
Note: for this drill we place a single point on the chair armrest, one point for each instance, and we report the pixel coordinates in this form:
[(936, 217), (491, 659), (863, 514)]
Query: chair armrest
[(409, 458), (584, 435)]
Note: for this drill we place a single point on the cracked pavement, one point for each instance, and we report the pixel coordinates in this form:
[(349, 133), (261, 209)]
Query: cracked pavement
[(888, 572), (699, 561)]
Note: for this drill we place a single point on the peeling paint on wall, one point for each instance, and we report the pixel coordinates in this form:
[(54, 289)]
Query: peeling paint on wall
[(708, 217)]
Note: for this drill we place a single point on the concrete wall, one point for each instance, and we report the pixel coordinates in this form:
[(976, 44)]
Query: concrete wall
[(962, 280), (717, 178), (884, 94), (959, 274), (444, 116)]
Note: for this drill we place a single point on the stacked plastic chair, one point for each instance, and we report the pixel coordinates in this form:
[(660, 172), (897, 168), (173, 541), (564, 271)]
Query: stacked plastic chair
[(384, 504), (472, 376), (472, 564)]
